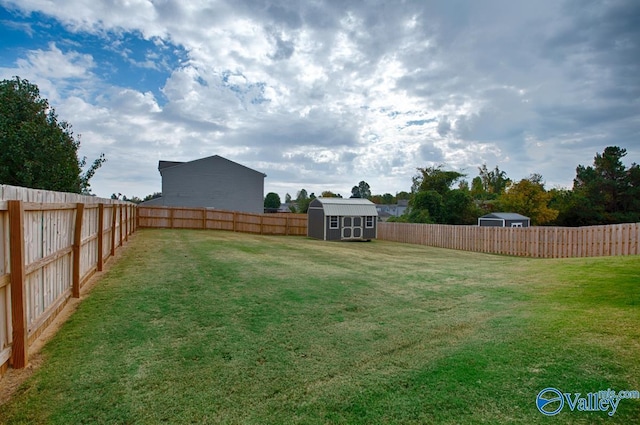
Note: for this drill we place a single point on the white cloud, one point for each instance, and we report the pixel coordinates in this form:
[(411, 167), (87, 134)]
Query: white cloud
[(330, 94)]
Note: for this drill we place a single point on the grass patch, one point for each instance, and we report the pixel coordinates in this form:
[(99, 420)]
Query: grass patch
[(217, 327)]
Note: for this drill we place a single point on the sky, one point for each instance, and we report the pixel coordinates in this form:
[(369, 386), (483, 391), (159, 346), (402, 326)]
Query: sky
[(322, 94)]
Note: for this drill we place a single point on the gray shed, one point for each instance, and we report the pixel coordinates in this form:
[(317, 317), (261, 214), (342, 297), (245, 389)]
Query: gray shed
[(334, 219), (502, 219)]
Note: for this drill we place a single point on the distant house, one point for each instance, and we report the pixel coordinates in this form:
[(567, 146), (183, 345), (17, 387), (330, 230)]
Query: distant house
[(385, 211), (212, 182), (502, 219), (334, 219)]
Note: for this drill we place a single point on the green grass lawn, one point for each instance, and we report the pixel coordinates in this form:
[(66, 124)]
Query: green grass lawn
[(219, 327)]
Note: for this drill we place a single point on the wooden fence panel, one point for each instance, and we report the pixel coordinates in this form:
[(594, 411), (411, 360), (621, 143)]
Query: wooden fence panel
[(219, 220), (54, 241), (5, 288), (212, 219), (541, 242), (89, 242), (47, 255)]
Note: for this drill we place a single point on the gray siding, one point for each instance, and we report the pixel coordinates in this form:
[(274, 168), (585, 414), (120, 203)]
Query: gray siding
[(333, 234), (349, 226), (315, 218), (490, 223), (213, 182), (499, 223)]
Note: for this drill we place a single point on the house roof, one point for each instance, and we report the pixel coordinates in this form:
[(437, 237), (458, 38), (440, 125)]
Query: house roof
[(505, 216), (166, 164), (162, 165), (348, 206)]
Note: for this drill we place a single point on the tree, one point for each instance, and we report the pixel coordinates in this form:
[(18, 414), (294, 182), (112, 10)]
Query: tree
[(433, 200), (605, 193), (386, 199), (287, 198), (329, 194), (302, 201), (272, 201), (528, 197), (362, 190), (154, 195), (403, 196), (494, 182), (37, 150)]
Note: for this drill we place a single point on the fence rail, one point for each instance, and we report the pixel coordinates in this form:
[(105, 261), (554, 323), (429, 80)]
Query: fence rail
[(51, 243), (205, 218), (542, 242)]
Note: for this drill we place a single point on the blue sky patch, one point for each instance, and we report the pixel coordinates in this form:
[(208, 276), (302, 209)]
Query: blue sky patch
[(126, 59)]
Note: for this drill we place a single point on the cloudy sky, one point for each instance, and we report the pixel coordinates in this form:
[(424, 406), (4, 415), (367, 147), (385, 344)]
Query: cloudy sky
[(321, 94)]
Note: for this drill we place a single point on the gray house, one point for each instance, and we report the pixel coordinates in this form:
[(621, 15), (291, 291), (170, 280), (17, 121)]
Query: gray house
[(212, 182), (502, 219), (334, 219), (392, 210)]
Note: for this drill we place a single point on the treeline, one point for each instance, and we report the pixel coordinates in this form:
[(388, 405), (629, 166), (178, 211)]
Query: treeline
[(605, 193), (300, 204)]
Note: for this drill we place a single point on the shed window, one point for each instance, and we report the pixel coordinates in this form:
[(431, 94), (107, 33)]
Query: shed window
[(369, 222), (516, 224), (333, 222)]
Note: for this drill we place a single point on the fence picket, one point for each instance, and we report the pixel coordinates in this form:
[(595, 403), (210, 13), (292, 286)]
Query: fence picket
[(50, 244)]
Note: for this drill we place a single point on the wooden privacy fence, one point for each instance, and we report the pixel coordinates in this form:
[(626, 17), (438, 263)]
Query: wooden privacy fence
[(49, 248), (543, 242), (212, 219)]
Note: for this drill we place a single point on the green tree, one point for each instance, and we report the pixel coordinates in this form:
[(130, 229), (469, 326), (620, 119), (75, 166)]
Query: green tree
[(386, 199), (494, 182), (302, 201), (362, 190), (528, 197), (154, 195), (605, 193), (330, 194), (433, 201), (403, 196), (37, 150), (272, 201)]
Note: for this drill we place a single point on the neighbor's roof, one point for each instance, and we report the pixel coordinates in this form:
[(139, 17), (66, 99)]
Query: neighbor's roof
[(163, 165), (348, 206), (505, 216)]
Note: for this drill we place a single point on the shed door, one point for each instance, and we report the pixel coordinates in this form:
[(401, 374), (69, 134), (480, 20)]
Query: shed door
[(352, 227)]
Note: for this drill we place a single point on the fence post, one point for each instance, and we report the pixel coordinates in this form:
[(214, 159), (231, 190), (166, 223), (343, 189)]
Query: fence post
[(20, 349), (121, 226), (100, 237), (77, 245), (114, 210), (126, 223)]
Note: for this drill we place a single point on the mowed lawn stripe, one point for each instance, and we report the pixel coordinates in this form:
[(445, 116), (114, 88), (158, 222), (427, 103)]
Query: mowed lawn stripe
[(221, 327)]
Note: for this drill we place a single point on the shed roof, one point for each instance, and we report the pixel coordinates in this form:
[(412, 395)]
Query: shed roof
[(348, 206), (505, 216)]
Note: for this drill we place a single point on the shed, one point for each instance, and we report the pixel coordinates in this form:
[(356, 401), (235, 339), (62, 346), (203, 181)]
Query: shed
[(333, 219), (503, 219)]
